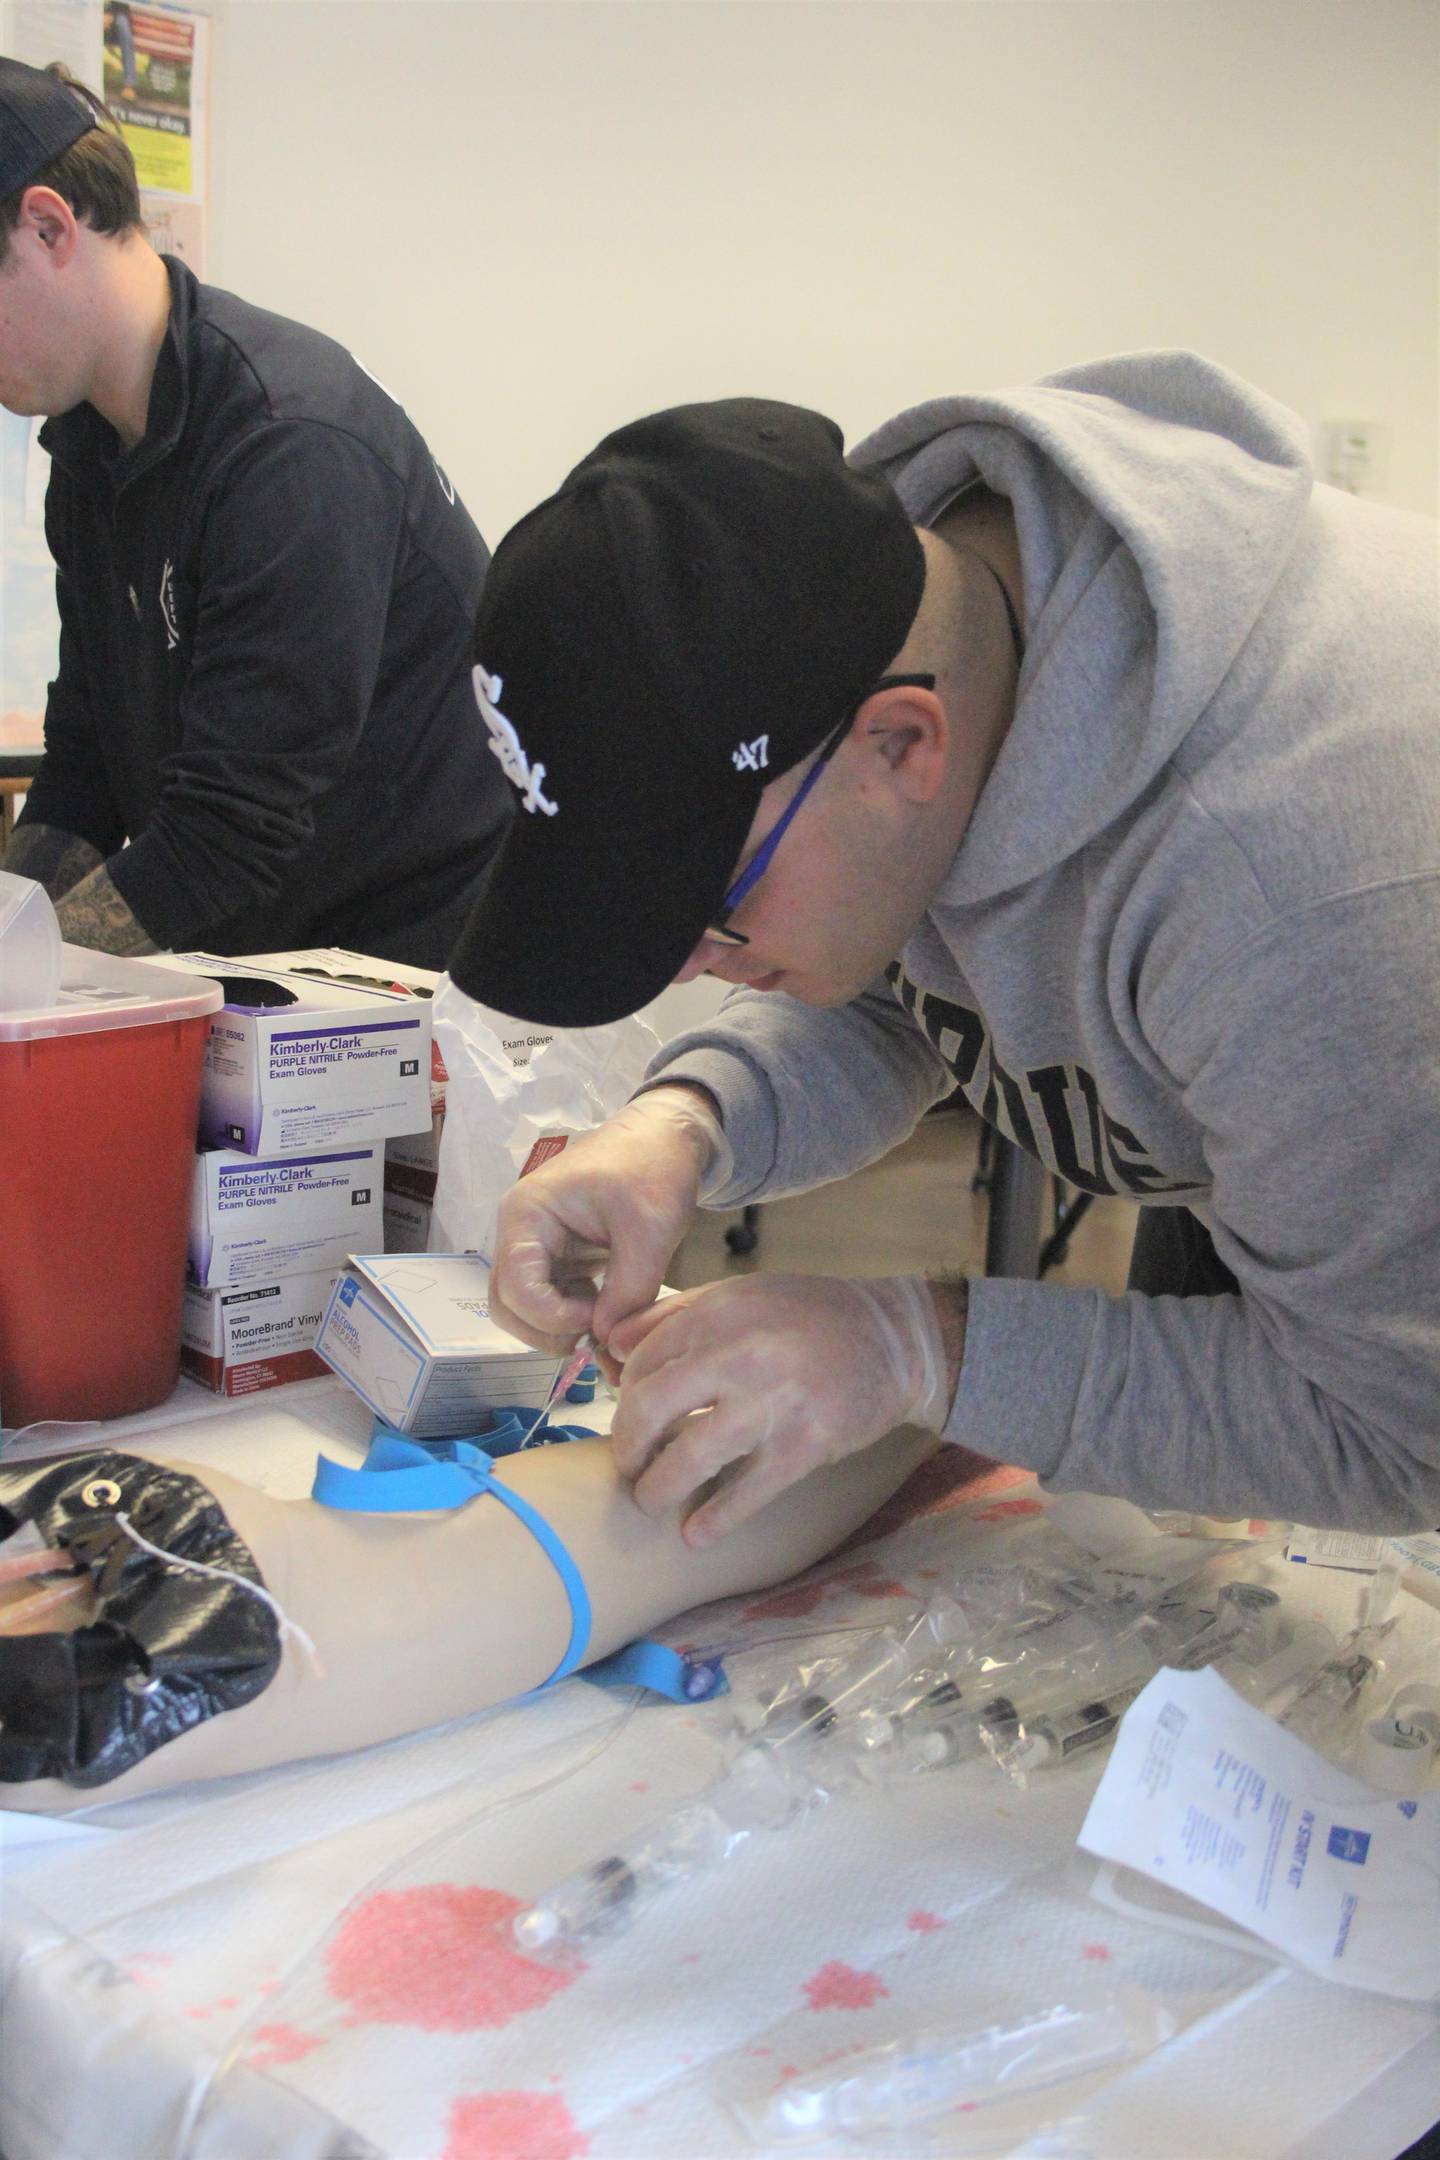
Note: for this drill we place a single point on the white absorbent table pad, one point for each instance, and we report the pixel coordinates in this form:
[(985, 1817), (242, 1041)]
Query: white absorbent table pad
[(314, 1963)]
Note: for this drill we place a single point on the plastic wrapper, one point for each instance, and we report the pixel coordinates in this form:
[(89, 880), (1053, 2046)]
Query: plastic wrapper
[(1069, 1642), (516, 1095), (907, 2083), (791, 1751)]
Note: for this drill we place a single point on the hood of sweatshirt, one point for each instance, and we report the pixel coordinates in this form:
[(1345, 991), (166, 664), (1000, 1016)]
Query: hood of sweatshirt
[(1157, 499)]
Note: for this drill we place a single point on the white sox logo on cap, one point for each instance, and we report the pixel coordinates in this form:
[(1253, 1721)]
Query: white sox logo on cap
[(506, 744)]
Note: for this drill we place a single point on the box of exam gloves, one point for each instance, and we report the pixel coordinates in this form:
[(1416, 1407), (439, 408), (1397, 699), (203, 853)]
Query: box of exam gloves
[(412, 1159), (236, 1342), (328, 1056), (300, 1062), (256, 1217), (412, 1334)]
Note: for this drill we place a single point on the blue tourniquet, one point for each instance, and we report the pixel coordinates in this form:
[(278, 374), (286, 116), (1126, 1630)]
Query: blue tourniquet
[(400, 1476)]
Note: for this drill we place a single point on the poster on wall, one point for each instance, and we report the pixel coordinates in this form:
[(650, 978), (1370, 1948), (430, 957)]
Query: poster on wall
[(156, 85)]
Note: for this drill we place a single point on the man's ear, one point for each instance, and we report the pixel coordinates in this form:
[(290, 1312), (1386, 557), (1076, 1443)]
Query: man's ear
[(908, 730), (49, 220)]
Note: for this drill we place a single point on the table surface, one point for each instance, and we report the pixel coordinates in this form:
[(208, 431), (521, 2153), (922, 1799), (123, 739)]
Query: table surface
[(313, 1961)]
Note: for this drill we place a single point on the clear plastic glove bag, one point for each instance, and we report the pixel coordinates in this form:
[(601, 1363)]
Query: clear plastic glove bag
[(516, 1095)]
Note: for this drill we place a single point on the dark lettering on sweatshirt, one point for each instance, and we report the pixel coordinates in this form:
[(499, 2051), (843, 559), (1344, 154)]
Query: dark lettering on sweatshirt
[(1053, 1112)]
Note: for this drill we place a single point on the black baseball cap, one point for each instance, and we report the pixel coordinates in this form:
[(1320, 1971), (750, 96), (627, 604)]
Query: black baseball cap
[(40, 117), (695, 610)]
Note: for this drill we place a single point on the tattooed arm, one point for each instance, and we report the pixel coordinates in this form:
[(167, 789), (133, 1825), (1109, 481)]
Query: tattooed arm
[(57, 860), (88, 908), (94, 914)]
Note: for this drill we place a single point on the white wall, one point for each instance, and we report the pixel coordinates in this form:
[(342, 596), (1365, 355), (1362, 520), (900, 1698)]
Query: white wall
[(535, 219)]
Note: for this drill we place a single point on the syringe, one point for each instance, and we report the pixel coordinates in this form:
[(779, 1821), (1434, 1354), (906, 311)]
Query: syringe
[(983, 1702), (602, 1900), (801, 1709), (787, 1765), (1326, 1712), (1268, 1681), (1063, 1734), (1244, 1613)]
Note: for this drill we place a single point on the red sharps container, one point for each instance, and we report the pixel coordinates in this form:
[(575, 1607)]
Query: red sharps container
[(99, 1093)]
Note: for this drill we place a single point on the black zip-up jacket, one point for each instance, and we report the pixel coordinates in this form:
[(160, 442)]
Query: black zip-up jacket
[(266, 619)]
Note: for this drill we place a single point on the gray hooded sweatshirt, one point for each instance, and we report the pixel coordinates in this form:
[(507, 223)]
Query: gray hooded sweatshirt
[(1188, 950)]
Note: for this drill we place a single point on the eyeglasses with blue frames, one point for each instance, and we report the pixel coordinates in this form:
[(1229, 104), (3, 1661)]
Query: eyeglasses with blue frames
[(719, 931)]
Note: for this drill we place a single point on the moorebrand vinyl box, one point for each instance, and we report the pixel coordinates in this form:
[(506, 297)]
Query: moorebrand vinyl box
[(295, 1065), (412, 1334), (254, 1217), (238, 1341)]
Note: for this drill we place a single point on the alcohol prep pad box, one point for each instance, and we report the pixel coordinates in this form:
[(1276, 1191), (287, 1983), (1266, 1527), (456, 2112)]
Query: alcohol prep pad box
[(255, 1217), (412, 1334), (308, 1064)]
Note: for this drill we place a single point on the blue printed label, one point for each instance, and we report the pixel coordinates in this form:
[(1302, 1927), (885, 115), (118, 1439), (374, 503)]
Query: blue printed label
[(1346, 1844)]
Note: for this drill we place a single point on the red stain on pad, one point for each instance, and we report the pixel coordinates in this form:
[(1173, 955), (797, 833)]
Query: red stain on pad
[(1097, 1953), (513, 2126), (276, 2045), (840, 1987), (439, 1958), (787, 1604), (924, 1923)]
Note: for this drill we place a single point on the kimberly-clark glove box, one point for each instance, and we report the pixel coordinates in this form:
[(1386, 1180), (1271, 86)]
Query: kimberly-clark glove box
[(411, 1159), (254, 1217), (412, 1334), (295, 1064)]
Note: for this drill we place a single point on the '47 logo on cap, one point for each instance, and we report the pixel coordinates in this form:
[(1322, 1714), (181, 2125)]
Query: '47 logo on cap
[(751, 756), (506, 744)]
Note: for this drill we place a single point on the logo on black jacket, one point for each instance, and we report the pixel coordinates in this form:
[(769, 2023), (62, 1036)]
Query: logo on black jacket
[(167, 605)]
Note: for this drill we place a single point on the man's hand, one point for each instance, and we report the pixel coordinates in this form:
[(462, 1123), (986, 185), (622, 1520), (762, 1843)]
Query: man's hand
[(623, 1194), (775, 1374)]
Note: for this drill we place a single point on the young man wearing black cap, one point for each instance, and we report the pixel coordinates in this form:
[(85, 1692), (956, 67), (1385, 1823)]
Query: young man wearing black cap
[(266, 585), (1070, 745)]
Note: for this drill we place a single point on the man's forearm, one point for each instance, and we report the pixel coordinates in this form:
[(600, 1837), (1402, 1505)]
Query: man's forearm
[(55, 859), (96, 915)]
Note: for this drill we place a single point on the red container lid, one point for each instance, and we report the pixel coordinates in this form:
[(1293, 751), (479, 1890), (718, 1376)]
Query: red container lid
[(102, 990)]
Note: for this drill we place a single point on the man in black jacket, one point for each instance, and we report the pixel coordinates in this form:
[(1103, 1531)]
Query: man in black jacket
[(267, 589)]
